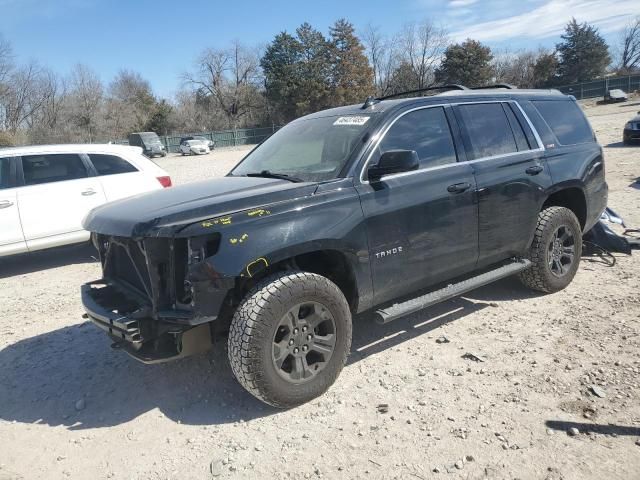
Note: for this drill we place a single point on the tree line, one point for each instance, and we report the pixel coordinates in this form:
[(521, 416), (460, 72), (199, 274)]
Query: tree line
[(295, 74)]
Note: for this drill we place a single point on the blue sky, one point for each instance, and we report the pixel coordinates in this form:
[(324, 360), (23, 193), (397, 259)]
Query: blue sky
[(160, 38)]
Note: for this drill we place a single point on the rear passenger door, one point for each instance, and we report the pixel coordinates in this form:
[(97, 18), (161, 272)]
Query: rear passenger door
[(511, 175), (118, 176), (57, 193)]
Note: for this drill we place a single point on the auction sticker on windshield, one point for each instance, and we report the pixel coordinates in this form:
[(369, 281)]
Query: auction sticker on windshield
[(351, 120)]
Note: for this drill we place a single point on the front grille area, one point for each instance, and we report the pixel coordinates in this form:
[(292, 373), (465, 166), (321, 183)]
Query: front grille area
[(125, 261)]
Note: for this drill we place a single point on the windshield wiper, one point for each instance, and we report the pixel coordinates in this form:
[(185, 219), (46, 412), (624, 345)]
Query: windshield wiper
[(268, 174)]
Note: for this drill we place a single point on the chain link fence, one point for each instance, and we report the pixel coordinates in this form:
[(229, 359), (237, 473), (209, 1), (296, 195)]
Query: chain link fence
[(598, 88), (224, 138)]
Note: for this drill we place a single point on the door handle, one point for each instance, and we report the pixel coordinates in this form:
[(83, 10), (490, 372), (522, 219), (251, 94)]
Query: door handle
[(534, 170), (458, 187), (5, 204), (88, 192)]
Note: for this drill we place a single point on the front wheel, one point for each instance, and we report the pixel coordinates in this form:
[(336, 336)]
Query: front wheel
[(290, 338), (555, 251)]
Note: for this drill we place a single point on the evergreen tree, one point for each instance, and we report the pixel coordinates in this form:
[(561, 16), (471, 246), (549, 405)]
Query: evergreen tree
[(280, 67), (314, 71), (352, 75), (584, 54), (467, 63)]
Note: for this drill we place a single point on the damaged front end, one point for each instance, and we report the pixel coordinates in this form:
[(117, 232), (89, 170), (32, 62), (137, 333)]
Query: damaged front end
[(158, 296)]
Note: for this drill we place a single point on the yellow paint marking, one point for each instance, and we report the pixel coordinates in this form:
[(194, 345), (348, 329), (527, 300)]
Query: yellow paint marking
[(216, 221), (256, 263), (259, 212), (242, 238)]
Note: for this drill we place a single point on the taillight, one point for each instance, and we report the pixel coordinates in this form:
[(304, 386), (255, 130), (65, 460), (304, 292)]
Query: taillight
[(165, 181)]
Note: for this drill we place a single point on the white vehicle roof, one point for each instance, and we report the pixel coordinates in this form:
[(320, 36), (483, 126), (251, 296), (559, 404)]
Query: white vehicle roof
[(67, 148), (132, 154)]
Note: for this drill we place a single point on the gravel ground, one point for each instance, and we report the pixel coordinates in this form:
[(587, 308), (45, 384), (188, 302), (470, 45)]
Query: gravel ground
[(409, 404), (184, 169)]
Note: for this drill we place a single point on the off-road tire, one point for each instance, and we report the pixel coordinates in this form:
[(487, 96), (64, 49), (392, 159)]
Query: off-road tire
[(539, 276), (253, 328)]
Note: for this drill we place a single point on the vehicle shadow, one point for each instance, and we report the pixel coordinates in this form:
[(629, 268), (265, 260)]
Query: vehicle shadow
[(370, 338), (618, 145), (609, 429), (43, 377), (45, 259)]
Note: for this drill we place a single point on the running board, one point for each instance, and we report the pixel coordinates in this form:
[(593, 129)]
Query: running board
[(398, 310)]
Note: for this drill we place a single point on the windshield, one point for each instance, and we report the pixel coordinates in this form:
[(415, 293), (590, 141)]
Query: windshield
[(311, 150), (195, 142)]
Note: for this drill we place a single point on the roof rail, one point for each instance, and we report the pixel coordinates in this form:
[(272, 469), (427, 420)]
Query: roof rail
[(508, 86), (451, 86)]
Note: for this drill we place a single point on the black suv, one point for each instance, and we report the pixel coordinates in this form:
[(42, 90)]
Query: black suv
[(388, 207)]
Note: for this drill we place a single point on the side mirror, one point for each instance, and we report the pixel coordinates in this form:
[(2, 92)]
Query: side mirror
[(394, 161)]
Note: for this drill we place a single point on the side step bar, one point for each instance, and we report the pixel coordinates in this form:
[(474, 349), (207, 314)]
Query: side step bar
[(398, 310)]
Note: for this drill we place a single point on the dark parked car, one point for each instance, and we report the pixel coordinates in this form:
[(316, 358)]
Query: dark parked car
[(150, 143), (387, 207), (631, 132), (211, 143)]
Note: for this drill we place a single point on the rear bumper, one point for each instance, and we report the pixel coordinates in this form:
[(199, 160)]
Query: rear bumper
[(129, 323)]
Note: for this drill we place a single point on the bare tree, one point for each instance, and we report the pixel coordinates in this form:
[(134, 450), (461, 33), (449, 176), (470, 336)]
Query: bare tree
[(86, 98), (230, 78), (23, 96), (630, 47), (421, 47), (520, 68), (383, 56), (6, 60), (130, 104)]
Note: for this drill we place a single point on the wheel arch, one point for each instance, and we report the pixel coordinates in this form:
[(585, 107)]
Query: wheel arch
[(330, 262), (571, 196)]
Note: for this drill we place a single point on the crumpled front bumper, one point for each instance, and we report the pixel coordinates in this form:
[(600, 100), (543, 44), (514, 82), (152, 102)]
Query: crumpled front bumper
[(128, 321)]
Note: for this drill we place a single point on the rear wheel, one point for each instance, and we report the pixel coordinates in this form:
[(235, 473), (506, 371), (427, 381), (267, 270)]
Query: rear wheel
[(289, 338), (555, 251)]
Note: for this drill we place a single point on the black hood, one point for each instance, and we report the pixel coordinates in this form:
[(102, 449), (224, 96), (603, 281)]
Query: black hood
[(161, 212)]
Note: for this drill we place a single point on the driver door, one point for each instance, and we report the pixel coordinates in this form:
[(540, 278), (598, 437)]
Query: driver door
[(422, 225)]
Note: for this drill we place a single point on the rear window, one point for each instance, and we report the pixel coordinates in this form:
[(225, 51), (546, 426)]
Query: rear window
[(5, 173), (110, 164), (52, 168), (566, 120)]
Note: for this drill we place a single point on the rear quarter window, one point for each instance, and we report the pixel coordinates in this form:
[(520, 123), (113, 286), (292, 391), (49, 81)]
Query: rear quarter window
[(110, 164), (566, 120)]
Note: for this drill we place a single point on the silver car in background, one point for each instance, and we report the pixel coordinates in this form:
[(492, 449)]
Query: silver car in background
[(194, 147)]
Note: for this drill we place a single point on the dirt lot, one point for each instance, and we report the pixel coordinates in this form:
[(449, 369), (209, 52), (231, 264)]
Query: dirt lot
[(70, 407)]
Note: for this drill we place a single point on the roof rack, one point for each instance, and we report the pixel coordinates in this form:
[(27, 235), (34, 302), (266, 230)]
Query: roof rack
[(452, 86), (372, 100), (497, 85)]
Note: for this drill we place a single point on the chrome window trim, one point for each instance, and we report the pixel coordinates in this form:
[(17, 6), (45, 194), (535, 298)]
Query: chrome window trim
[(540, 148)]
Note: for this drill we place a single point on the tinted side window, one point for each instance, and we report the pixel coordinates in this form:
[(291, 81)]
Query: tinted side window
[(488, 129), (566, 120), (52, 168), (5, 173), (427, 132), (516, 128), (110, 164)]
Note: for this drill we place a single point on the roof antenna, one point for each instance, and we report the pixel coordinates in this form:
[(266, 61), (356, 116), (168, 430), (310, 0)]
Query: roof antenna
[(369, 102)]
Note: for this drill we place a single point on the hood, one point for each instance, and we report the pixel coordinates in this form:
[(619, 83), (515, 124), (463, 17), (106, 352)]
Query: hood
[(635, 119), (162, 212)]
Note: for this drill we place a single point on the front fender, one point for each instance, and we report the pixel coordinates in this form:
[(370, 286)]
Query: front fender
[(252, 240)]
